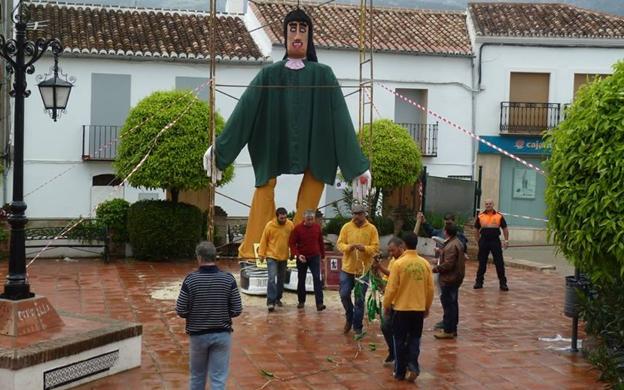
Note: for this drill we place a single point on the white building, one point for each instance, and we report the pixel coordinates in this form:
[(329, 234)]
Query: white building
[(530, 61), (120, 55)]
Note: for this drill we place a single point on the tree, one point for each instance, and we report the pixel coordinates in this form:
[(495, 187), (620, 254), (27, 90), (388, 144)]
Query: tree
[(395, 157), (175, 154), (584, 193)]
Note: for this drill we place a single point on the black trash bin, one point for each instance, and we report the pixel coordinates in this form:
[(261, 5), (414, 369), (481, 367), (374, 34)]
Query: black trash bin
[(570, 306)]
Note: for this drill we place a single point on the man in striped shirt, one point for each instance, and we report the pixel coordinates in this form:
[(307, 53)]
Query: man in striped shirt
[(209, 299)]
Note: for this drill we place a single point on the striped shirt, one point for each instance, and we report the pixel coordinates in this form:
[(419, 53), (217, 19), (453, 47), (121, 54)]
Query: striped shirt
[(209, 299)]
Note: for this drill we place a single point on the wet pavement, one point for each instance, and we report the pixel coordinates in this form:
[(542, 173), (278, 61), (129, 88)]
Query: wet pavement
[(498, 345)]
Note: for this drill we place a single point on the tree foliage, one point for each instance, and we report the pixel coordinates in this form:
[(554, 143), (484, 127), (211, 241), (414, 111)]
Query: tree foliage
[(584, 193), (395, 157), (175, 162)]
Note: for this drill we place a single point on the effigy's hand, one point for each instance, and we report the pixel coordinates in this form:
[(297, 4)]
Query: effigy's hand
[(361, 185), (208, 165)]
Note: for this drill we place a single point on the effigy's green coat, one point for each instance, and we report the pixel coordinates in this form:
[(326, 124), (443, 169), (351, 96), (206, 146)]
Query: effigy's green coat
[(289, 130)]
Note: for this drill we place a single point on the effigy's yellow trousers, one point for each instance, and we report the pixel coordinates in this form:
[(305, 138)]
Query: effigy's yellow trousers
[(263, 209)]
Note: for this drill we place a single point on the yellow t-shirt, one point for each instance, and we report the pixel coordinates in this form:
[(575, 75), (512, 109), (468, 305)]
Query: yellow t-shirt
[(410, 287), (353, 261), (274, 240)]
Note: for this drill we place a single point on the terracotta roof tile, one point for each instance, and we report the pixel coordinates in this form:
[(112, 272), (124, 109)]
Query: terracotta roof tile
[(544, 20), (142, 32), (396, 29)]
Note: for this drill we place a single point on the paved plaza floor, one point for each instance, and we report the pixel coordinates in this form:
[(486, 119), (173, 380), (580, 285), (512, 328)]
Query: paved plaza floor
[(498, 347)]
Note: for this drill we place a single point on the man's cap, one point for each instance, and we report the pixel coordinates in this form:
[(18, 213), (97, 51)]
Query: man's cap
[(357, 208)]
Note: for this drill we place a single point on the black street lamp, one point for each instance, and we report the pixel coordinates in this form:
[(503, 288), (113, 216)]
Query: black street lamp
[(20, 55)]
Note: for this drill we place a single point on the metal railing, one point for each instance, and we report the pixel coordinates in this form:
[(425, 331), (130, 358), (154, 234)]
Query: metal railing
[(99, 142), (425, 136), (528, 118)]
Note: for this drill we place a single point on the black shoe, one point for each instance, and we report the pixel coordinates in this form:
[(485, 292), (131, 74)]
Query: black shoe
[(320, 307), (279, 303), (389, 361), (504, 287), (300, 305), (271, 307), (478, 286)]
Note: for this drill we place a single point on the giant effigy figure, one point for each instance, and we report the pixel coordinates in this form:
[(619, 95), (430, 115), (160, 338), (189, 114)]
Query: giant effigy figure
[(294, 119)]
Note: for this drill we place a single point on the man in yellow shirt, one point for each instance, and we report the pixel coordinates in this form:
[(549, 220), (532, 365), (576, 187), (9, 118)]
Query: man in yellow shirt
[(396, 248), (409, 293), (274, 248), (359, 242)]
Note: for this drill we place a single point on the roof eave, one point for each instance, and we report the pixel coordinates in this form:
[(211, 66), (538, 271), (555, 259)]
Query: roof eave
[(143, 56), (560, 41), (390, 51)]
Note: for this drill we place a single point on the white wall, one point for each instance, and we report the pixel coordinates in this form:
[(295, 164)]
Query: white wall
[(562, 63), (53, 147)]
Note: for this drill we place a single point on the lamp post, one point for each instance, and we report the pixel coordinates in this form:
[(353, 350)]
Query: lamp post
[(20, 55)]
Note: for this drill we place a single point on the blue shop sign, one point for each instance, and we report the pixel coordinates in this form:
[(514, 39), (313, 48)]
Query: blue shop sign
[(516, 145)]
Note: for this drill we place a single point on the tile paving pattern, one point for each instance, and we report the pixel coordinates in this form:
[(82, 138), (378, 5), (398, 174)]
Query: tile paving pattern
[(497, 347)]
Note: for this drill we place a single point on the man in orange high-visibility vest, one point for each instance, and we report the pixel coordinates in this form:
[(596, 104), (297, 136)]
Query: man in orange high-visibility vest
[(489, 224)]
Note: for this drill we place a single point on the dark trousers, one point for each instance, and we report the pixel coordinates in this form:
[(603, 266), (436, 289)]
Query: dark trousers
[(493, 246), (449, 300), (314, 263), (407, 326), (386, 329)]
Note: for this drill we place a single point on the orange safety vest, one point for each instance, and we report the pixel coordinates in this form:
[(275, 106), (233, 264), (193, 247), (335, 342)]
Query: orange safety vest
[(487, 220)]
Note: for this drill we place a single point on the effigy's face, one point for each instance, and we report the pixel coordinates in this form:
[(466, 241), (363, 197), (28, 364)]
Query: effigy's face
[(297, 39)]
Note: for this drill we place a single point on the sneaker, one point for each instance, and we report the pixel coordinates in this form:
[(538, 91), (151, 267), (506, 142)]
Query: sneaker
[(504, 287), (439, 325), (279, 303), (347, 327), (443, 335), (411, 375), (478, 286), (271, 308), (300, 305), (358, 334), (389, 361), (320, 307)]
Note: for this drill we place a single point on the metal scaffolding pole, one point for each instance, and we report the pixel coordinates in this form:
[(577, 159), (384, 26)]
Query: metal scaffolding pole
[(366, 48), (212, 124)]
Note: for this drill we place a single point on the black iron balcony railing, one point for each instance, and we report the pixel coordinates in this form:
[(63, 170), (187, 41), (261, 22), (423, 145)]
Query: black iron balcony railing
[(99, 142), (528, 118), (425, 136)]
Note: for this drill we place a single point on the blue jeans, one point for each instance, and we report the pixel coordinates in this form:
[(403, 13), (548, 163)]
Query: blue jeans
[(209, 355), (407, 326), (353, 314), (275, 284), (314, 263), (449, 298)]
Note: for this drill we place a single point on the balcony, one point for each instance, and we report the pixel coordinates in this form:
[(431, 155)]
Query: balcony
[(528, 118), (425, 136), (99, 142)]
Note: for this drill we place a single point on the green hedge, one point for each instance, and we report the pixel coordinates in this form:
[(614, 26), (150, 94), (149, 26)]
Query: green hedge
[(114, 215), (602, 309), (161, 229)]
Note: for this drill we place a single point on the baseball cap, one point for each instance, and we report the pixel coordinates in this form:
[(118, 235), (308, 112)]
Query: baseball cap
[(357, 208)]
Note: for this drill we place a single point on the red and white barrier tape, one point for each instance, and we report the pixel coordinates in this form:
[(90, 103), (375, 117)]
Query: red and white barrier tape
[(109, 144), (462, 129), (73, 225)]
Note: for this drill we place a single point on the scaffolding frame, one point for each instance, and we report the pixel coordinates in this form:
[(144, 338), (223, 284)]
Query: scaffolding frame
[(365, 86)]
